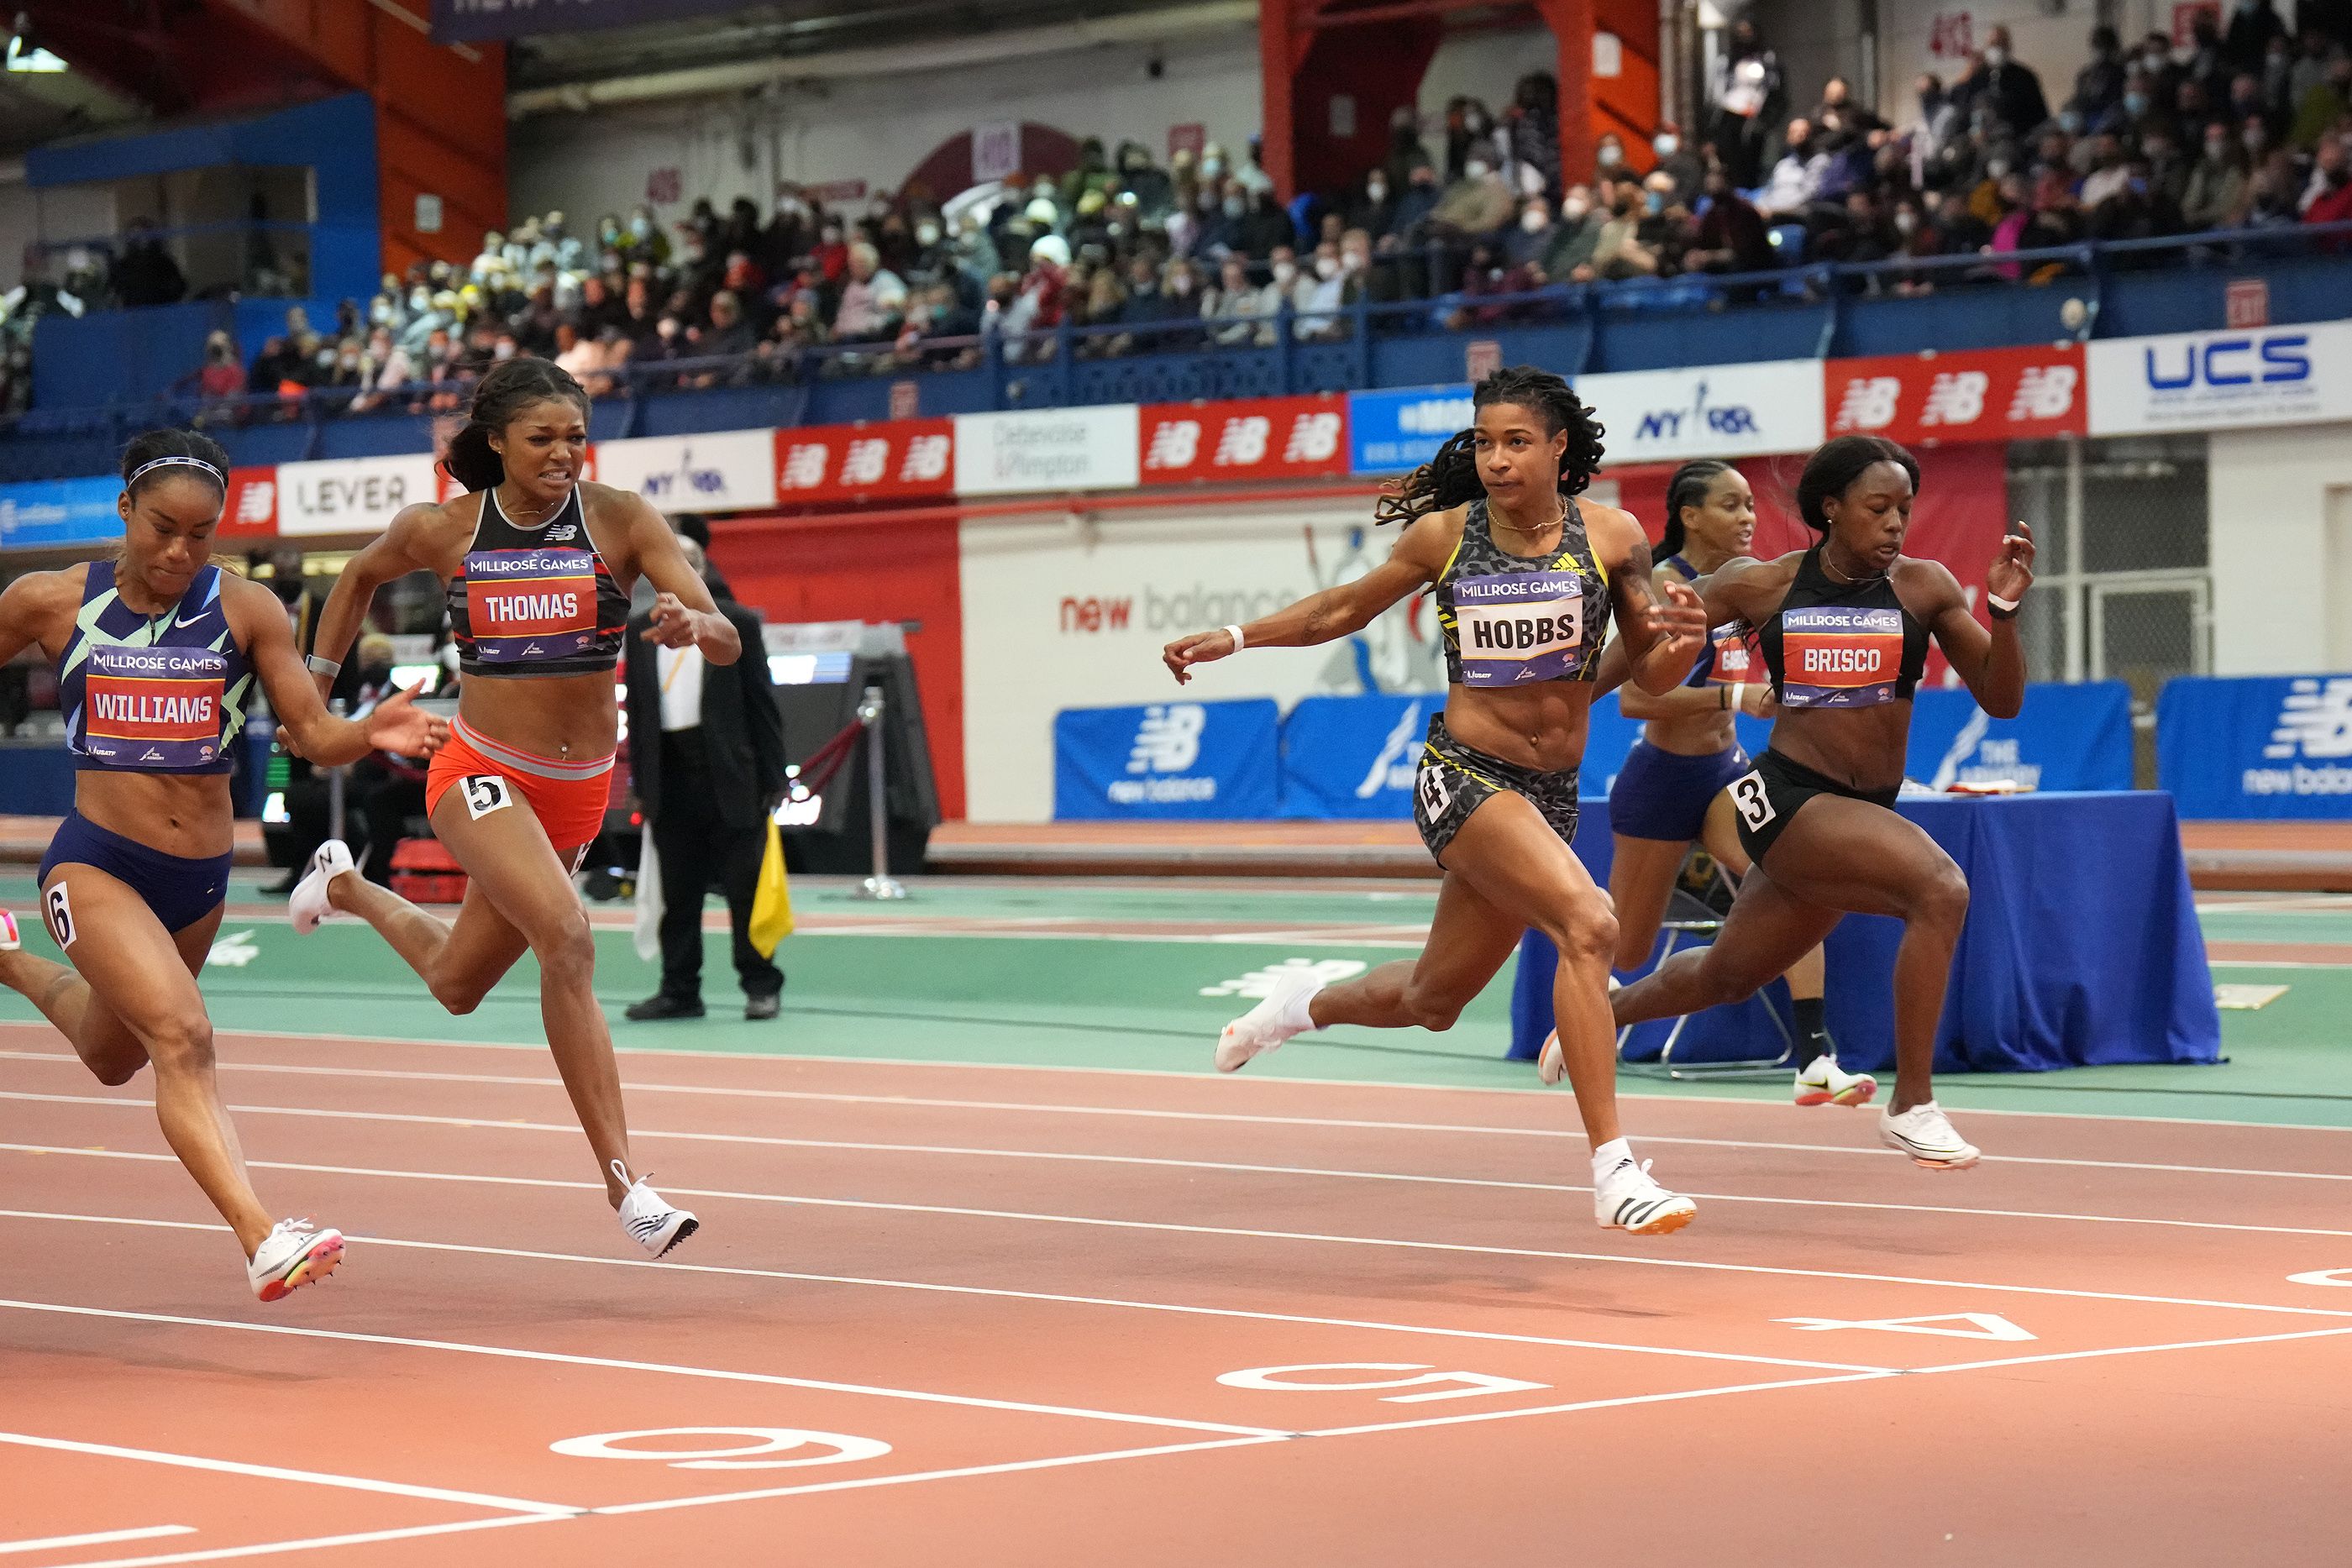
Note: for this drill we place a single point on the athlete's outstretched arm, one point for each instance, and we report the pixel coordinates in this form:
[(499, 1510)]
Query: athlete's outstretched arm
[(395, 724), (683, 611), (1662, 629), (1418, 560), (389, 555), (1992, 664)]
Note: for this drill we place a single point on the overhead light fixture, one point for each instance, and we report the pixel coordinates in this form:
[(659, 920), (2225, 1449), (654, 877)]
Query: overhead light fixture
[(24, 55)]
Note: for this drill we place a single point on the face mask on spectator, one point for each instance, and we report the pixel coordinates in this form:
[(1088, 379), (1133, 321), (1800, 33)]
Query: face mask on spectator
[(1574, 208), (1377, 189), (2257, 137), (1476, 169), (641, 228), (1181, 286), (380, 313), (506, 349), (926, 232), (1235, 206), (1533, 221), (2070, 121), (1327, 267), (1996, 56), (1907, 221), (1286, 273), (2134, 104), (1998, 167), (1210, 168), (1653, 202), (1667, 144), (1610, 155)]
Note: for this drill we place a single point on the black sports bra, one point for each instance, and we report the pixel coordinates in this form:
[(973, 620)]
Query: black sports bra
[(1843, 645)]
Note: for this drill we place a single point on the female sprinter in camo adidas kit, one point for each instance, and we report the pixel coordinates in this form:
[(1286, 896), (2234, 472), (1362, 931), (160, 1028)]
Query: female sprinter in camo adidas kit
[(539, 564), (1525, 579), (1844, 627), (157, 652), (1673, 788)]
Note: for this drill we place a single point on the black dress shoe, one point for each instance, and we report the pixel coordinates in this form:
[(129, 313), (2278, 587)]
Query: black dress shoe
[(762, 1006), (658, 1007)]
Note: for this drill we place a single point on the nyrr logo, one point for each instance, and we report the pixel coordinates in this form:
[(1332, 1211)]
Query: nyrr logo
[(1699, 419), (685, 479), (1168, 739), (2281, 357)]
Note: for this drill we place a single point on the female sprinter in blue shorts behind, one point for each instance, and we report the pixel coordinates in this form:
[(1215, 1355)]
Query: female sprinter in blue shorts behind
[(157, 652), (1671, 790), (1525, 581)]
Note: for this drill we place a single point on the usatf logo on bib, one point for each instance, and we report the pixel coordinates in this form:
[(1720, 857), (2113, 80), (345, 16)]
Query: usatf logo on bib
[(154, 707), (530, 603), (1840, 655), (1520, 627)]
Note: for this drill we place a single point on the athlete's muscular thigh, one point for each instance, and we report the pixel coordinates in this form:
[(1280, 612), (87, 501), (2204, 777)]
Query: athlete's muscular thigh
[(1848, 854)]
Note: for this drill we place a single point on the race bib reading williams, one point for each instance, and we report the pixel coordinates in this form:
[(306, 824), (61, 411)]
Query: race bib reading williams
[(530, 603), (157, 708), (1520, 627), (1840, 655)]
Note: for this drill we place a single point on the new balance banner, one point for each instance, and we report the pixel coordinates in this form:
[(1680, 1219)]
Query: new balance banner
[(1261, 438), (475, 21), (251, 510), (2201, 380), (1391, 432), (2065, 737), (904, 459), (1211, 760), (2274, 745), (1988, 394), (60, 512), (1354, 756)]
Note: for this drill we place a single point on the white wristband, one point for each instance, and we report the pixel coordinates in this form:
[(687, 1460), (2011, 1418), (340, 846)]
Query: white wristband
[(1739, 697), (1239, 641), (327, 668), (2006, 606)]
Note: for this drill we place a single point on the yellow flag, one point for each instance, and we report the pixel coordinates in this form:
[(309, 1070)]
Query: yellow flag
[(772, 902)]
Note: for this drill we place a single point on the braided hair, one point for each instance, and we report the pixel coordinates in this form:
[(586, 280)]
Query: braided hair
[(1688, 488), (1451, 477), (511, 386)]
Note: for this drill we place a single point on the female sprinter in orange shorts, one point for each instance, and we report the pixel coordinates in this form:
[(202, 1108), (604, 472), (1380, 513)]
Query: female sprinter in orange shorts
[(1525, 581), (157, 653), (539, 564)]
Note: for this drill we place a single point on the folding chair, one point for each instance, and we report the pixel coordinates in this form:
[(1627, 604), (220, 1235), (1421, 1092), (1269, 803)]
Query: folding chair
[(1690, 915)]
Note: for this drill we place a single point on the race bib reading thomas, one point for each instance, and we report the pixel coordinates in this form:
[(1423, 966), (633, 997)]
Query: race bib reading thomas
[(1840, 655), (530, 603), (154, 708), (1520, 627)]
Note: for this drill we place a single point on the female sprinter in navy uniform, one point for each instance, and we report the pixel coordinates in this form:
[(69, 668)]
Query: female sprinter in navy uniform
[(1526, 580), (538, 566), (1844, 627), (157, 652), (1673, 790)]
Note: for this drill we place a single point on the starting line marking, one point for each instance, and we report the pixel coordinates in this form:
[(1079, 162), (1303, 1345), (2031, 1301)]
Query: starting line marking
[(1981, 1326), (281, 1473), (98, 1538)]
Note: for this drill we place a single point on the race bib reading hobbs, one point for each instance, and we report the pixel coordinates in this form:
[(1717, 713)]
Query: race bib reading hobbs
[(530, 603), (157, 708), (1840, 655), (1520, 627)]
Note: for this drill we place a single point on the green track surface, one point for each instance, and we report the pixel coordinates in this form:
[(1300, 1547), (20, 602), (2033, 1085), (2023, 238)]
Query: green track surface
[(1139, 1003)]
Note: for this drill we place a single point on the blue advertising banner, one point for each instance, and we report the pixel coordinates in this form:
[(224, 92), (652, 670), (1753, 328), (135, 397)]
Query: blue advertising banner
[(1354, 756), (2066, 737), (1391, 432), (2259, 746), (1213, 762), (60, 512), (473, 21)]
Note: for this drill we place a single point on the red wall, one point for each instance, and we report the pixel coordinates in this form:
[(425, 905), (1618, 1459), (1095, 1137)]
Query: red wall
[(863, 569)]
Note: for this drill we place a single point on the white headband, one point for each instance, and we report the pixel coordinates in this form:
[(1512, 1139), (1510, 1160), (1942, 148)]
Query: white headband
[(145, 468)]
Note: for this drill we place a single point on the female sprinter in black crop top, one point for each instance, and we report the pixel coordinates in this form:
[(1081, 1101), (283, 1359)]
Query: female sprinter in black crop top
[(1844, 627), (539, 564), (1526, 578)]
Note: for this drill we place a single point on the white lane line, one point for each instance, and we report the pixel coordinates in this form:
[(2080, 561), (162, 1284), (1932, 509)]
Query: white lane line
[(275, 1472), (1170, 1228), (1223, 1117), (2277, 964), (2132, 1350), (1238, 1167), (932, 1065), (671, 1369), (663, 1505), (321, 1543), (739, 1271), (1469, 1418), (97, 1538)]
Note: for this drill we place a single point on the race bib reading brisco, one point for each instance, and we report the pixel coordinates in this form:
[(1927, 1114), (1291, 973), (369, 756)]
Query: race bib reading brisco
[(1520, 627), (530, 603), (1840, 655), (154, 707)]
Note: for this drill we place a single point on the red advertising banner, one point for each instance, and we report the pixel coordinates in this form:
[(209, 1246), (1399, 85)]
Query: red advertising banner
[(901, 460), (251, 510), (1985, 394), (1258, 438)]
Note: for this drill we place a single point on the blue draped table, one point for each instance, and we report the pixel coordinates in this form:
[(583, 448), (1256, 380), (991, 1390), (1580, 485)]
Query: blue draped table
[(2082, 947)]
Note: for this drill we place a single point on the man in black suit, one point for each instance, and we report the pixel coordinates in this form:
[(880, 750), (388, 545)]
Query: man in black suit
[(707, 756)]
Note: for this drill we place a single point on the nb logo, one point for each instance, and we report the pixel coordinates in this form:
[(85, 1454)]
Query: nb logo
[(2316, 720), (1168, 739)]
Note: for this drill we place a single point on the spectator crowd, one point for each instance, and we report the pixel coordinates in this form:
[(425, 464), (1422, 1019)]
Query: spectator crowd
[(2248, 127)]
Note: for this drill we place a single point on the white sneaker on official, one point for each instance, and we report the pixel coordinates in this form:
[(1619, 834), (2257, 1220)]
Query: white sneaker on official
[(1268, 1024), (9, 940), (649, 1218), (1551, 1061), (309, 904), (1821, 1082), (1627, 1199), (294, 1254), (1925, 1133)]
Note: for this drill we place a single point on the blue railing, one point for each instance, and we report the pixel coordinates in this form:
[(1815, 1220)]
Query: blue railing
[(2125, 288)]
